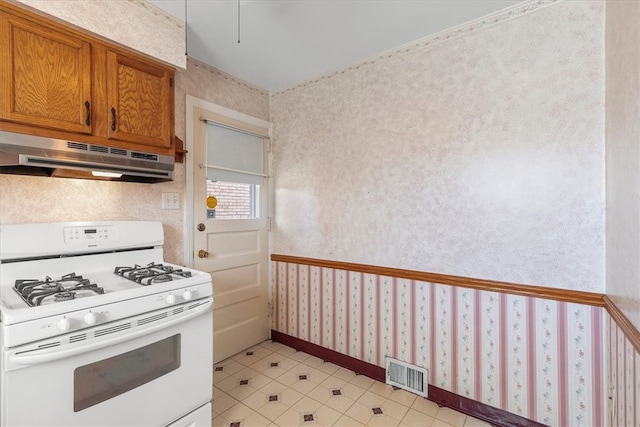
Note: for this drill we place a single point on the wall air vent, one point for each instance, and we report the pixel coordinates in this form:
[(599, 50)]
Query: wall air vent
[(407, 377), (77, 146)]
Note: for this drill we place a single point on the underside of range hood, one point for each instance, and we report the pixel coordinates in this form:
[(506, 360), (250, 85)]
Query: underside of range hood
[(40, 156)]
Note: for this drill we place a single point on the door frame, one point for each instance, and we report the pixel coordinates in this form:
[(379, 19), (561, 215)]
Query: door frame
[(189, 230)]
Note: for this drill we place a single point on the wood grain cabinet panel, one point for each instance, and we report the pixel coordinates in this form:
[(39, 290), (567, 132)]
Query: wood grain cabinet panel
[(140, 102), (46, 76), (59, 82)]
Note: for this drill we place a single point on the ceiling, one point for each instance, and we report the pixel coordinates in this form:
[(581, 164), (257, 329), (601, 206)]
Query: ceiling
[(287, 42)]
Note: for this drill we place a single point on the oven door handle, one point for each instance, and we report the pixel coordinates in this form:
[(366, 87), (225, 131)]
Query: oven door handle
[(49, 356)]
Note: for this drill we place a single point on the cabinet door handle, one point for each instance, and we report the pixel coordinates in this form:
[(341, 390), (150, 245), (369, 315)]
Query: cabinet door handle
[(87, 106), (113, 118)]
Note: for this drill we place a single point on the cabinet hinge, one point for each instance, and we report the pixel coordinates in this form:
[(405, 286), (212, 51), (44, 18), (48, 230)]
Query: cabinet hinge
[(171, 140), (269, 223), (269, 147), (170, 81)]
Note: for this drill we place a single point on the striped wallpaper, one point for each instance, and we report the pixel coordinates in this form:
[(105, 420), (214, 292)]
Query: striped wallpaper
[(540, 359), (624, 378)]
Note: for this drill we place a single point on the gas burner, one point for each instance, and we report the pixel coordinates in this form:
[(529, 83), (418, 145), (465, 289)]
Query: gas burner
[(151, 273), (64, 296), (38, 292)]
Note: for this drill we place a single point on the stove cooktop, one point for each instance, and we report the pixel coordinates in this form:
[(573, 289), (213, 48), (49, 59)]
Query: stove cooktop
[(48, 290)]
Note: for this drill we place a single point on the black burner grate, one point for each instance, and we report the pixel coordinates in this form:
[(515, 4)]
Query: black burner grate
[(151, 273), (35, 292)]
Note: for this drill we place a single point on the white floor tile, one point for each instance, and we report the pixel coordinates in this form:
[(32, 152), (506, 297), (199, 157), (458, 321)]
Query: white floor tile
[(274, 385)]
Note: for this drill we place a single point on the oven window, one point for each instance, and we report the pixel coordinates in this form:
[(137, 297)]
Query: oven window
[(102, 380)]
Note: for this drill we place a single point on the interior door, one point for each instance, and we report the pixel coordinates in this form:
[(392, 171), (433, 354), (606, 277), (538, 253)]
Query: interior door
[(230, 230)]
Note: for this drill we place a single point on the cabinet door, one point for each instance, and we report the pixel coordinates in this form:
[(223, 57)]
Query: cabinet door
[(45, 76), (140, 98)]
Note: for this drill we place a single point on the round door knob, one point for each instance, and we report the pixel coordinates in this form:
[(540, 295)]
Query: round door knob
[(187, 295), (90, 318), (64, 324), (170, 299), (203, 254)]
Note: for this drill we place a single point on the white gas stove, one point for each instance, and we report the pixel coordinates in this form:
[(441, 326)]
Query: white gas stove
[(93, 308)]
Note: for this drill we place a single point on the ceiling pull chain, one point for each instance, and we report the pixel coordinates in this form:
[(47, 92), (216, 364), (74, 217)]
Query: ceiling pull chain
[(186, 32), (238, 21)]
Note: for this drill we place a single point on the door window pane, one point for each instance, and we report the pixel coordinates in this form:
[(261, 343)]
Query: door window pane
[(236, 200)]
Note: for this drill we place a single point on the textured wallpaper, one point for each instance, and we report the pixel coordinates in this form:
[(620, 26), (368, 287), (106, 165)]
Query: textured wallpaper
[(623, 157), (147, 28), (481, 155)]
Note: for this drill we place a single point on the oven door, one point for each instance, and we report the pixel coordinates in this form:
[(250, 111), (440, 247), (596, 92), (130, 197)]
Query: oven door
[(150, 373)]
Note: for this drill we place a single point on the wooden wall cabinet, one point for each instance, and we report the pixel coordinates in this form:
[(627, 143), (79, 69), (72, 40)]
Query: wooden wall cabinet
[(59, 82)]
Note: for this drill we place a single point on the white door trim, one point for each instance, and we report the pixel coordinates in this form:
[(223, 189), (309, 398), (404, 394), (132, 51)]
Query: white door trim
[(191, 103)]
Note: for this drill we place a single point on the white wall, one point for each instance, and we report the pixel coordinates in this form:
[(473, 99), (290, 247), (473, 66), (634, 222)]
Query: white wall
[(481, 155)]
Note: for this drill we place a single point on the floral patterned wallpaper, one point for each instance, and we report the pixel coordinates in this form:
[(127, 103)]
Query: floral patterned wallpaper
[(540, 359), (480, 155)]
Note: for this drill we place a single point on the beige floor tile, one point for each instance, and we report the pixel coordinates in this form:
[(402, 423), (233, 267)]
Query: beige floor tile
[(299, 356), (255, 420), (225, 368), (403, 397), (345, 421), (219, 421), (363, 381), (277, 396), (344, 374), (288, 396), (395, 410), (327, 416), (425, 406), (452, 417), (440, 423), (302, 374), (372, 399), (287, 351), (267, 405), (221, 402), (382, 389), (383, 421), (273, 346), (415, 418), (256, 379), (335, 398), (313, 361), (237, 412), (274, 365), (359, 412), (474, 422), (308, 411), (328, 367), (250, 356)]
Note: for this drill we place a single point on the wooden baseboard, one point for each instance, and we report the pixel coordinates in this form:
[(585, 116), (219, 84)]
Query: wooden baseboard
[(494, 416)]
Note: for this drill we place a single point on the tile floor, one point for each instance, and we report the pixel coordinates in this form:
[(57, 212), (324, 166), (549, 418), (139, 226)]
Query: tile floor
[(275, 385)]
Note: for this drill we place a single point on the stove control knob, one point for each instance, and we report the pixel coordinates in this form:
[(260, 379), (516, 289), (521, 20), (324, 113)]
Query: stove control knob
[(187, 295), (64, 324), (170, 299), (90, 318)]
